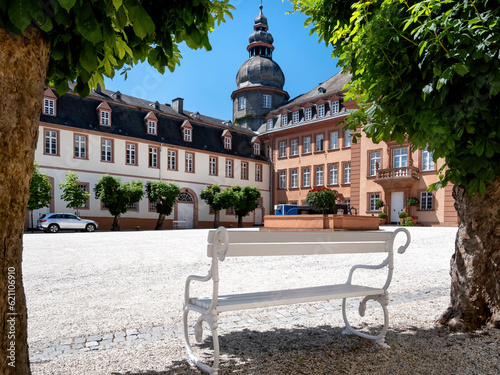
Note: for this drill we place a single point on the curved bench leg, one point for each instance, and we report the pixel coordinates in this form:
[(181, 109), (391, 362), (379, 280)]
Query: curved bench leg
[(212, 322), (383, 300)]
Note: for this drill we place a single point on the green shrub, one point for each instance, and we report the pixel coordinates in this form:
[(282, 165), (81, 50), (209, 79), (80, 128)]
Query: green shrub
[(382, 215), (322, 199), (402, 214)]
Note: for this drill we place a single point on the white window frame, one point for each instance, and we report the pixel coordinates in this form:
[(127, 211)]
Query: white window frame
[(242, 103), (426, 201), (374, 197), (293, 178), (51, 142), (333, 174), (427, 160), (189, 162), (258, 172), (318, 175), (374, 161), (107, 150), (306, 177), (321, 110), (307, 145), (267, 101), (212, 166), (282, 179), (348, 138), (172, 160), (130, 157), (320, 139), (49, 106), (229, 168), (282, 149), (296, 117), (227, 143), (270, 123), (153, 157), (400, 157), (347, 173), (244, 170), (151, 127), (80, 146), (187, 135), (294, 147), (256, 148), (105, 117), (284, 119), (334, 140), (308, 114), (335, 107)]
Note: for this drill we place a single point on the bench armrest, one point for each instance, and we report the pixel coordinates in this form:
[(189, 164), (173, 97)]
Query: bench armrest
[(194, 278)]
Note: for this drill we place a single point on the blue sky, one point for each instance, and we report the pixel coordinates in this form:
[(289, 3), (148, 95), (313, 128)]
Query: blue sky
[(206, 79)]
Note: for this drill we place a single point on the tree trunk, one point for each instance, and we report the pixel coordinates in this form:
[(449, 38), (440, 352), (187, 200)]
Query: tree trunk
[(475, 266), (116, 223), (216, 219), (240, 221), (159, 222), (24, 62)]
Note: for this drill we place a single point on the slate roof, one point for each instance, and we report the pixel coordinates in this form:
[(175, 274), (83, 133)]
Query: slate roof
[(127, 119), (333, 85)]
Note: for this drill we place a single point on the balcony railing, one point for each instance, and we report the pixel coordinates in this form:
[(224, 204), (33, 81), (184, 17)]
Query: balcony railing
[(397, 173)]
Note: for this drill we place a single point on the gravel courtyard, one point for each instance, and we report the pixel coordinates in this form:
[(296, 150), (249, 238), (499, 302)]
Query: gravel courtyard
[(111, 303)]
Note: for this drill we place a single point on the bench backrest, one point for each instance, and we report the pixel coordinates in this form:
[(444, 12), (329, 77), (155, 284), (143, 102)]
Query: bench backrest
[(277, 243)]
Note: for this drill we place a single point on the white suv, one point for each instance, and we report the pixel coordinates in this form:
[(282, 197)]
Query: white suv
[(59, 221)]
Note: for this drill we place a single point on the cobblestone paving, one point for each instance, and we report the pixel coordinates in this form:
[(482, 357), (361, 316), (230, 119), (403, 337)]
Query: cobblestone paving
[(41, 352)]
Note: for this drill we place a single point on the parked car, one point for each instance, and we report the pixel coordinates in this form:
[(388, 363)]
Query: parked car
[(54, 222)]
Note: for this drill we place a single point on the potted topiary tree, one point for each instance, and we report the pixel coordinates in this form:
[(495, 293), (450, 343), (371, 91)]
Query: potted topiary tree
[(322, 199), (383, 218), (413, 202)]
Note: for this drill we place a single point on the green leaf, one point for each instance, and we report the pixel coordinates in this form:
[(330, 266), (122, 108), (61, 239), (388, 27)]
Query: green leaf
[(20, 12), (142, 23), (482, 188), (87, 24), (88, 58), (461, 69), (67, 4)]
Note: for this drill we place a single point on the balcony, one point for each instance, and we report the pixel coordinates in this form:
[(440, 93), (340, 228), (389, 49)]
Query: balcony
[(403, 177)]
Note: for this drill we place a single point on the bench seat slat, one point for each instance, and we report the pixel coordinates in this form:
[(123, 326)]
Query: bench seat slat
[(279, 249), (242, 236), (286, 297)]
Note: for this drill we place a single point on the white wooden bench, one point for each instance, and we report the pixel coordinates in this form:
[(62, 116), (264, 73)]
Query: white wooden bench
[(237, 243)]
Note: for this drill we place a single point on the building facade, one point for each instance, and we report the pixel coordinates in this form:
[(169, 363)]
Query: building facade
[(308, 147), (108, 132)]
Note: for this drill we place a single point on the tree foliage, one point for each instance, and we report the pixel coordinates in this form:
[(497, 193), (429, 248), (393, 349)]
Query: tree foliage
[(218, 199), (244, 200), (117, 196), (73, 193), (322, 199), (428, 71), (40, 190), (165, 195), (93, 39)]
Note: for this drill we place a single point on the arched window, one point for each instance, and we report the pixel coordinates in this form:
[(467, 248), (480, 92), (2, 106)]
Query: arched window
[(185, 197)]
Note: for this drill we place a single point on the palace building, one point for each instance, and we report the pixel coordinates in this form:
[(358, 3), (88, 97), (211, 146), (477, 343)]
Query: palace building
[(283, 147)]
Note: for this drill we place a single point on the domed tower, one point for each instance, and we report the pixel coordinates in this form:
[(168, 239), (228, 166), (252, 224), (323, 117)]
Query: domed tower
[(260, 80)]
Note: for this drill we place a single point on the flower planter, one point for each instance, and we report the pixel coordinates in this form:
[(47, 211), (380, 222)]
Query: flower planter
[(320, 222)]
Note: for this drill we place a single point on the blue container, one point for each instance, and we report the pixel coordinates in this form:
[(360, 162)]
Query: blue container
[(286, 209)]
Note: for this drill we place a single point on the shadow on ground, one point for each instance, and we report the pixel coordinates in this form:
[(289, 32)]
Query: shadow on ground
[(324, 350)]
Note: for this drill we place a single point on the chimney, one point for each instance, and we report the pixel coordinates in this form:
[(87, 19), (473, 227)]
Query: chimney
[(98, 88), (178, 105)]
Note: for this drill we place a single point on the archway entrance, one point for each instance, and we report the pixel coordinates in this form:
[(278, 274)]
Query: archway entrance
[(185, 209)]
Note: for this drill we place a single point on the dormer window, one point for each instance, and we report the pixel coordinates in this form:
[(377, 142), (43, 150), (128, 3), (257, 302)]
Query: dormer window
[(227, 138), (104, 114), (151, 127), (105, 118), (284, 119), (270, 124), (187, 131), (49, 103), (321, 110), (295, 117), (335, 106), (151, 123), (256, 148), (308, 113)]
